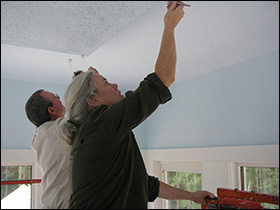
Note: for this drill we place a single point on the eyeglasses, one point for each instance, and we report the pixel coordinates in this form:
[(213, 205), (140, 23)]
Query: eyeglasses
[(56, 96)]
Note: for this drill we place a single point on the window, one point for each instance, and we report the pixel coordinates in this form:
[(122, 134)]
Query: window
[(186, 176), (257, 177), (21, 193), (260, 180)]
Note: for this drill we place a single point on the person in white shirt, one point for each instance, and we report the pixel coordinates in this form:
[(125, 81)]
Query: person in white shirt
[(45, 110)]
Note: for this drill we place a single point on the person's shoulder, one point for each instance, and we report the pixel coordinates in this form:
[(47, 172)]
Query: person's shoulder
[(60, 120), (52, 124)]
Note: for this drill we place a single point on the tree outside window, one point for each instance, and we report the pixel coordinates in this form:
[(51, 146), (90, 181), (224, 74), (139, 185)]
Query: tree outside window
[(13, 173), (261, 180), (186, 181), (182, 175)]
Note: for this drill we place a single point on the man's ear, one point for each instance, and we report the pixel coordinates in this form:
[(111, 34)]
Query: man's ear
[(95, 102), (51, 111)]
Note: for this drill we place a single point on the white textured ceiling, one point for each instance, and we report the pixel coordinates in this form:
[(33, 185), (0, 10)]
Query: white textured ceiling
[(75, 27), (122, 39)]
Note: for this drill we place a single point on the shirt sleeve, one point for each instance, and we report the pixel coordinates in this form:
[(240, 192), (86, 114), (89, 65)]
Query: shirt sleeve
[(163, 92), (153, 188), (128, 113)]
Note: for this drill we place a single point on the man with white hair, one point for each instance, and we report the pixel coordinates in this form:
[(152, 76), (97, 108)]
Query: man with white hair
[(107, 169)]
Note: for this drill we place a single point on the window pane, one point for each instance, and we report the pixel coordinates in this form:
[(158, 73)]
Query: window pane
[(186, 181), (261, 180), (21, 193)]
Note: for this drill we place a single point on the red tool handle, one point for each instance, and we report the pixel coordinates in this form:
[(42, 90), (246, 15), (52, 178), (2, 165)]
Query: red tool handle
[(30, 181)]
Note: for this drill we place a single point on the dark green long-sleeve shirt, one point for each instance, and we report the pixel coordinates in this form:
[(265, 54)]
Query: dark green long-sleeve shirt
[(107, 167)]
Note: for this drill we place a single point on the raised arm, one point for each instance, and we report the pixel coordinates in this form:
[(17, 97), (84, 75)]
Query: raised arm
[(166, 61)]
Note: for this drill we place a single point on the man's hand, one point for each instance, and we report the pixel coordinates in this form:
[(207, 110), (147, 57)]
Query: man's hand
[(76, 73), (174, 14), (199, 197)]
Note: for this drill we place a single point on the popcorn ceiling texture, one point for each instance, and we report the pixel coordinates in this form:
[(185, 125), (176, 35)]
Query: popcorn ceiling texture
[(73, 27)]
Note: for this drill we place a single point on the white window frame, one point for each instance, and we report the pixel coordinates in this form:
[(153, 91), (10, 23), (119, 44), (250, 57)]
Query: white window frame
[(187, 167), (25, 158), (235, 174), (32, 175)]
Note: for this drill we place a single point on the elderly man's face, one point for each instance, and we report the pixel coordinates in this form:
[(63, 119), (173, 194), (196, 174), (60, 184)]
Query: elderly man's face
[(108, 92), (57, 109)]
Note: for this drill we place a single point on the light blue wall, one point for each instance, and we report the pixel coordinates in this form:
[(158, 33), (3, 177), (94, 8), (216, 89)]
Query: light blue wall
[(238, 105), (235, 106), (16, 129)]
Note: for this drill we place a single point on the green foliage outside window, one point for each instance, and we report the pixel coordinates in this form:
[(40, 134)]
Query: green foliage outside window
[(257, 179), (12, 173), (261, 180), (186, 181)]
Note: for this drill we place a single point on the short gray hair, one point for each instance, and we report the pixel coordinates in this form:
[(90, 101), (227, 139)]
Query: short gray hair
[(36, 109), (75, 98)]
